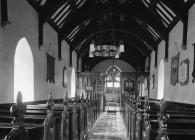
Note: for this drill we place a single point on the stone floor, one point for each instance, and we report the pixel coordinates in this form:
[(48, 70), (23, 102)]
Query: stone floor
[(109, 126)]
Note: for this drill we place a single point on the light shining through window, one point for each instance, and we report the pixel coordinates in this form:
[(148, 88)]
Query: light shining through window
[(24, 71), (73, 83)]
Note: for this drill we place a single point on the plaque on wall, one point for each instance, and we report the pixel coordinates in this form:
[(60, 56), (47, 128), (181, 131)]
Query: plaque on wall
[(128, 85), (184, 72), (174, 69)]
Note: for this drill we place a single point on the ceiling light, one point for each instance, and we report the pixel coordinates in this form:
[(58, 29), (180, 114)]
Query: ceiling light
[(102, 49)]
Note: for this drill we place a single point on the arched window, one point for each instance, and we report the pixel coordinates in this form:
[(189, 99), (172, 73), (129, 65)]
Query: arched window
[(161, 79), (73, 83), (112, 79), (24, 71)]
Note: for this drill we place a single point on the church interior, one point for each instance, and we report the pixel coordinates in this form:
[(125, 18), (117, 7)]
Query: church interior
[(97, 69)]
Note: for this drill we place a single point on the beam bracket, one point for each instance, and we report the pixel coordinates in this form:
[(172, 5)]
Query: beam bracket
[(167, 48), (4, 13), (59, 47), (78, 61), (70, 54), (185, 32), (156, 57), (40, 33)]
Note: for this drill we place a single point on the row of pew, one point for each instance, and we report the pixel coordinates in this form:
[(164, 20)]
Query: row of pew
[(59, 119), (151, 119)]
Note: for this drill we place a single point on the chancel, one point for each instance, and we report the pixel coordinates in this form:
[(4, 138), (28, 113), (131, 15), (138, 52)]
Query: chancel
[(97, 70)]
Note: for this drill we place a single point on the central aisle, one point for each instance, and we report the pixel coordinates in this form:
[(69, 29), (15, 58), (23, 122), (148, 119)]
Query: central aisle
[(109, 127)]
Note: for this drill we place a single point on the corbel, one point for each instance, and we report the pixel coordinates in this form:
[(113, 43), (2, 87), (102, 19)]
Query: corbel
[(78, 56), (185, 31), (40, 32), (59, 47), (167, 48), (156, 57), (70, 54), (4, 13), (149, 62)]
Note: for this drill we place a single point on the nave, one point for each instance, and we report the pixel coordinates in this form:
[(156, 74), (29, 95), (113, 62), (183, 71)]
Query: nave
[(63, 61)]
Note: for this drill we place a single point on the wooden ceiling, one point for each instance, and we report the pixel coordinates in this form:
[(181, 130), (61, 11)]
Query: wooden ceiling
[(140, 24)]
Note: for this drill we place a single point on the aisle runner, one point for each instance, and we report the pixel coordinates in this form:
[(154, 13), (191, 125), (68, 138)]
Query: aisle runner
[(109, 127)]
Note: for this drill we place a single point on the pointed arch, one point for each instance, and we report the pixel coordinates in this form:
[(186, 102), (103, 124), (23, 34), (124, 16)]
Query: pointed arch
[(24, 70), (112, 80), (161, 79), (72, 82)]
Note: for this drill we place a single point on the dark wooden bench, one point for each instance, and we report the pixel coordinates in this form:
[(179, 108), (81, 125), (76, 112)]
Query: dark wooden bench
[(81, 115), (176, 121), (70, 119), (141, 117), (13, 126), (151, 109), (151, 119), (128, 104), (38, 118)]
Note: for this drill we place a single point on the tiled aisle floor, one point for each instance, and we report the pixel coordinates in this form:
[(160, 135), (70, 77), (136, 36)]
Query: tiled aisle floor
[(109, 127)]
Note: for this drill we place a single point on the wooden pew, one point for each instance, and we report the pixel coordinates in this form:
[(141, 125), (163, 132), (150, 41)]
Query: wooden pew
[(136, 116), (71, 118), (151, 119), (89, 112), (127, 112), (139, 118), (39, 120), (74, 116), (142, 118), (17, 129), (176, 121), (65, 124), (132, 117), (81, 117), (68, 126), (151, 111)]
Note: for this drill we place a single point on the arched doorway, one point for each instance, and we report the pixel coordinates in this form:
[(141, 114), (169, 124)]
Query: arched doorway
[(161, 79), (24, 71)]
